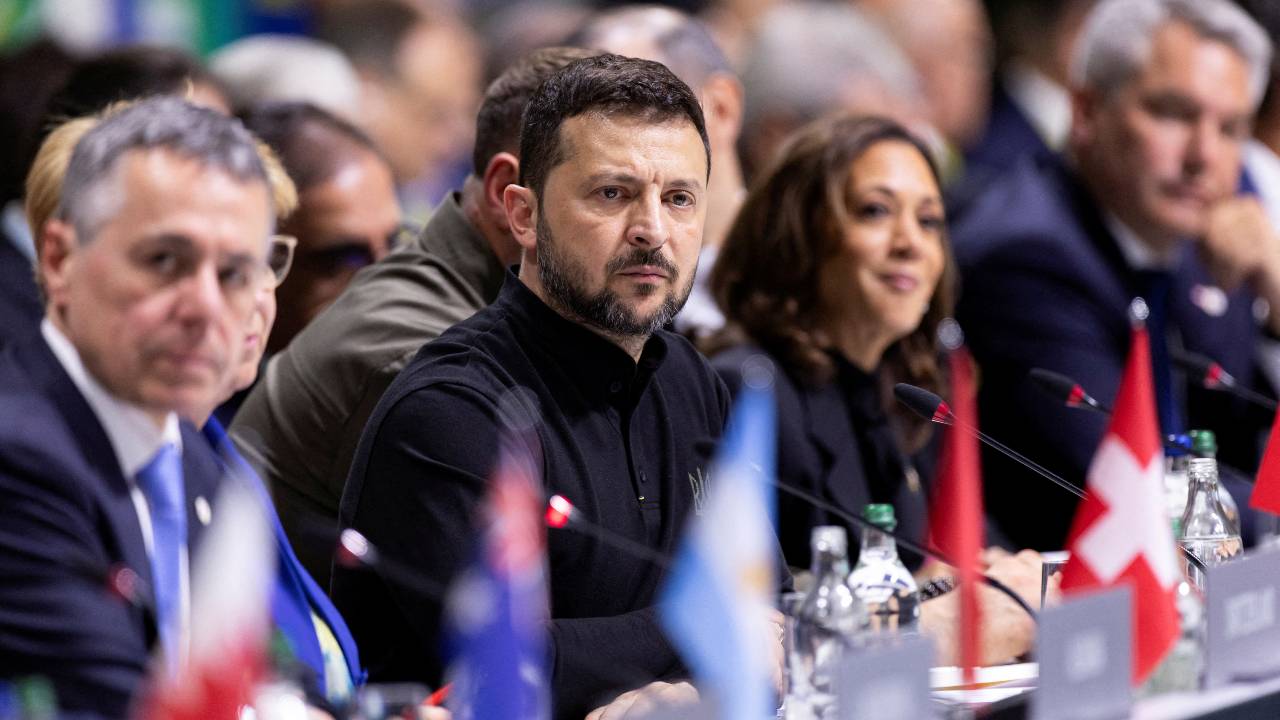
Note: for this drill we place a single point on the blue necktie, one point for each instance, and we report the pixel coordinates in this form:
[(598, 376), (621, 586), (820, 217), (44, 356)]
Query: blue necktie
[(1157, 288), (161, 483)]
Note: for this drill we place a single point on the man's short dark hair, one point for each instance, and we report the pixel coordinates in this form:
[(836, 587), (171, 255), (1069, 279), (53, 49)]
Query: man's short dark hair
[(311, 143), (609, 85), (498, 122)]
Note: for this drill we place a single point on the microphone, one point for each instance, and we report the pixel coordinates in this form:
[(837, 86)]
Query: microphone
[(355, 552), (1058, 386), (910, 545), (934, 409), (1065, 390), (930, 406), (561, 514), (1211, 376)]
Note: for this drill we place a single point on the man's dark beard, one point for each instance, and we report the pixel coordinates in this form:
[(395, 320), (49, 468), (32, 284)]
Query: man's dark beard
[(564, 281)]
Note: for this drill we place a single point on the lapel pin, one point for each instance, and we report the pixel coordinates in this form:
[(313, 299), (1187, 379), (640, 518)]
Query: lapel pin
[(204, 513), (1209, 298)]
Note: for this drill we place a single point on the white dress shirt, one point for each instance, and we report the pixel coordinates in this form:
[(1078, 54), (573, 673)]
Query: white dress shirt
[(134, 437)]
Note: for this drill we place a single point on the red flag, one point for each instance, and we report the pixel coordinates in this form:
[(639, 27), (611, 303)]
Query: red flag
[(231, 582), (1120, 535), (1266, 491), (957, 530)]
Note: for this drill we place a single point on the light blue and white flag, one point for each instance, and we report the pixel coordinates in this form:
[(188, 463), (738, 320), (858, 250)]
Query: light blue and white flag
[(717, 598)]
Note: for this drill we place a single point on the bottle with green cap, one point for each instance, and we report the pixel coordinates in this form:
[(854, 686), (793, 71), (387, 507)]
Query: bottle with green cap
[(1207, 531), (1204, 444), (880, 580)]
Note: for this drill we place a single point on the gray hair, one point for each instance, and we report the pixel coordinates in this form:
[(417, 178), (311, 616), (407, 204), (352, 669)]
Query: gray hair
[(1117, 37), (805, 54), (161, 123)]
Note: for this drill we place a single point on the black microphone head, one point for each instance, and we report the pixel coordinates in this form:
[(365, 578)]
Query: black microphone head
[(1206, 372), (922, 402), (1059, 387)]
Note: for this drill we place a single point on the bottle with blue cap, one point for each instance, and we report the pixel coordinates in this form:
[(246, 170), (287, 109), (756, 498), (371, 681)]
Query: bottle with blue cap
[(880, 580), (1177, 454)]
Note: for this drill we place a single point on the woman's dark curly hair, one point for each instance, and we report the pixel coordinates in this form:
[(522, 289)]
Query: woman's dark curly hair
[(766, 278)]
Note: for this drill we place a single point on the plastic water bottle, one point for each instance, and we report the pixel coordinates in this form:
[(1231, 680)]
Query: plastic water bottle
[(1204, 444), (1206, 531), (827, 622), (1182, 668), (881, 581)]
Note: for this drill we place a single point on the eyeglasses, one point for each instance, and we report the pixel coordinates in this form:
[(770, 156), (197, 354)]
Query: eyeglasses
[(280, 258)]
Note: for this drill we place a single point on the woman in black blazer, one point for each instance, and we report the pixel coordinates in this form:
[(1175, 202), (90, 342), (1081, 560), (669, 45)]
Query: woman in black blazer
[(838, 268)]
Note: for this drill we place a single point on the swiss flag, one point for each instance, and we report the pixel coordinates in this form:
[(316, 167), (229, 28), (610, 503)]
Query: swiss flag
[(957, 532), (1120, 534)]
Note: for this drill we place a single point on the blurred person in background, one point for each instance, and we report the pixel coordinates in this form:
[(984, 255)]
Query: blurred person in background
[(301, 424), (348, 216), (90, 86), (949, 43), (838, 269), (1030, 105), (1145, 204), (420, 81), (287, 68), (812, 59), (1262, 152), (680, 42), (28, 76), (518, 28)]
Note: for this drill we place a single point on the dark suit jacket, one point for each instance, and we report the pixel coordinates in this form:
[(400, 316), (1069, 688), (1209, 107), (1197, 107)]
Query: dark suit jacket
[(835, 442), (1008, 138), (1045, 285), (20, 307), (66, 522)]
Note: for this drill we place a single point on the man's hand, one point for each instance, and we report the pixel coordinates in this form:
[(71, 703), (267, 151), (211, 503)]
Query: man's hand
[(1241, 246), (1007, 630), (638, 703)]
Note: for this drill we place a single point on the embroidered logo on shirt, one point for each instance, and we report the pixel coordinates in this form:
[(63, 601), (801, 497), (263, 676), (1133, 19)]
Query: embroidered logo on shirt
[(698, 483)]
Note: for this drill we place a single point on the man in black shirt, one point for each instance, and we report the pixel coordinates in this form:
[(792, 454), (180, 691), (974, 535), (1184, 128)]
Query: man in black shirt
[(609, 213)]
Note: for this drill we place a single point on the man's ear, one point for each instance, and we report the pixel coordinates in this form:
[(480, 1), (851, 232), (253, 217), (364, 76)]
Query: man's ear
[(56, 257), (503, 170), (522, 215), (1084, 111), (722, 99)]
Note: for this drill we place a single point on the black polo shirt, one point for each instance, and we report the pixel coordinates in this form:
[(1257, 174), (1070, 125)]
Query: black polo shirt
[(623, 440)]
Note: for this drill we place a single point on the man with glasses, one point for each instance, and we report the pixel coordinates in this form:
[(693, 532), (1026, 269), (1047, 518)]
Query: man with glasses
[(348, 216), (152, 269)]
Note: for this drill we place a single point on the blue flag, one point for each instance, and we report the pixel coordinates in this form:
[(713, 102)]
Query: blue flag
[(496, 619), (721, 586)]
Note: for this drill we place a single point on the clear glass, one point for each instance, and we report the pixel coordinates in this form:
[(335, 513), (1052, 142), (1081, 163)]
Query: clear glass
[(885, 586), (1206, 530), (828, 621)]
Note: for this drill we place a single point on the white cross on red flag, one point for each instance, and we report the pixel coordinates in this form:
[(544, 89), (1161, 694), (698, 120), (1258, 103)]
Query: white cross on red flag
[(1120, 535)]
